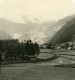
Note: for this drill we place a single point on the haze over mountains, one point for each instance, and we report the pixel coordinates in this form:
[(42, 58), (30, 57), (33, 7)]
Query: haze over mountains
[(29, 30), (51, 31), (4, 35)]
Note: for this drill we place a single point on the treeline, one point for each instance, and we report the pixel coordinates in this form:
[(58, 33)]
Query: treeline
[(13, 50)]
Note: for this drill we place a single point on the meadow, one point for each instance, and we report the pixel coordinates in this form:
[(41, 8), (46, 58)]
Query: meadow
[(41, 70)]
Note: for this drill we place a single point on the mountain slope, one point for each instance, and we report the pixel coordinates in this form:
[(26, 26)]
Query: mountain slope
[(4, 35), (66, 33)]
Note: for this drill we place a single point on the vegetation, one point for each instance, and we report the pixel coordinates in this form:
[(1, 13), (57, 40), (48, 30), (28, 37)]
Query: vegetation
[(51, 46), (12, 50), (0, 55), (40, 71)]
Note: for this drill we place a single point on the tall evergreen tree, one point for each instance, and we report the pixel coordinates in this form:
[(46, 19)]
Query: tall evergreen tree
[(0, 56), (0, 52), (37, 50)]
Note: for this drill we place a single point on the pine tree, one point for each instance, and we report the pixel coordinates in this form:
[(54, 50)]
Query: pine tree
[(37, 49), (0, 61)]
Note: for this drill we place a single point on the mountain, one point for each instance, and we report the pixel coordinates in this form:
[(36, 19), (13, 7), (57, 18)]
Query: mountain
[(37, 31), (24, 37), (49, 31), (4, 35), (66, 32)]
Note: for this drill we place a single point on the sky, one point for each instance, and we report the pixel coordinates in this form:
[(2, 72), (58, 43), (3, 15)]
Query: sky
[(36, 10)]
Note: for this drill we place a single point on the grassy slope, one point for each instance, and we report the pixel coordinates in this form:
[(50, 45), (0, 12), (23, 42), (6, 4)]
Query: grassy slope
[(37, 71)]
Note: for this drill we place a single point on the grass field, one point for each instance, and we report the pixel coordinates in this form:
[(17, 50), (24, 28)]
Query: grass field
[(41, 70), (37, 72)]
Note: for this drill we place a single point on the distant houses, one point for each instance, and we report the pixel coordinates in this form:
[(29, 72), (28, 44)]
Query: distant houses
[(57, 46), (68, 45), (43, 46)]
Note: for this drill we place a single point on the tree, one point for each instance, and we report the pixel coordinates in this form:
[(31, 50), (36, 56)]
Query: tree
[(50, 46), (37, 50), (66, 45), (0, 53), (0, 58), (29, 48), (13, 50)]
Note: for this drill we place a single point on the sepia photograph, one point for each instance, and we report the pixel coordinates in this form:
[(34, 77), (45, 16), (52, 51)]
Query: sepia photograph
[(37, 39)]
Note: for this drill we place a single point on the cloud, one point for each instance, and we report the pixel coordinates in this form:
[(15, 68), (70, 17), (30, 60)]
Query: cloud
[(16, 35)]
